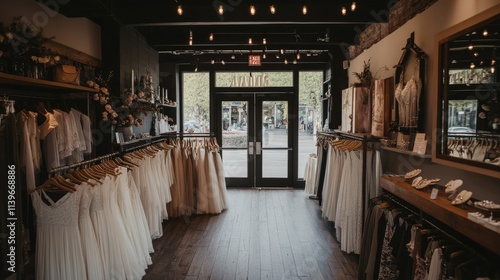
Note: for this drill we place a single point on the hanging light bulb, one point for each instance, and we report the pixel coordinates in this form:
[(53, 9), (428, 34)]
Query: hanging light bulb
[(264, 41), (264, 56), (470, 47), (221, 10), (179, 10), (476, 54), (353, 6), (277, 56), (485, 32), (211, 37), (493, 62), (298, 55), (304, 10), (344, 11), (252, 10), (272, 9), (250, 41), (472, 65), (196, 68), (481, 62), (295, 61), (282, 51), (286, 61), (223, 62), (233, 57), (190, 37), (492, 69), (212, 61)]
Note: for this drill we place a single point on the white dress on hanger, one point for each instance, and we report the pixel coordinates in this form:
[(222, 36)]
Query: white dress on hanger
[(59, 253)]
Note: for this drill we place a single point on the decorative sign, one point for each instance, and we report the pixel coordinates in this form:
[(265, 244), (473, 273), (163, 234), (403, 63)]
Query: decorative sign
[(255, 80), (420, 144), (254, 60)]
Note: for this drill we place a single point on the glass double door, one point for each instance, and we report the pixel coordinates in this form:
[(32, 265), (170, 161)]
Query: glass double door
[(252, 129)]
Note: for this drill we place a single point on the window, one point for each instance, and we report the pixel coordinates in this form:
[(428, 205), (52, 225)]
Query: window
[(254, 79), (196, 102)]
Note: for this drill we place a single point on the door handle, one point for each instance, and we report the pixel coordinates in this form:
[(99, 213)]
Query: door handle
[(258, 148), (250, 148)]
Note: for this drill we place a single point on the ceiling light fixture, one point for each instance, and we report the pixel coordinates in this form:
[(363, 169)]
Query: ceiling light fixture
[(492, 70), (353, 6), (493, 62), (221, 10), (211, 37), (282, 51), (213, 61), (264, 41), (223, 62), (298, 55), (252, 10), (286, 61), (470, 47), (233, 57), (190, 37), (264, 56), (250, 41), (304, 10), (472, 65), (179, 10), (272, 9), (485, 32), (344, 11), (476, 54)]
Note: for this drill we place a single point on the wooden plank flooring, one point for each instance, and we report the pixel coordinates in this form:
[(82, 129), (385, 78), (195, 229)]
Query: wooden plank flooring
[(267, 234)]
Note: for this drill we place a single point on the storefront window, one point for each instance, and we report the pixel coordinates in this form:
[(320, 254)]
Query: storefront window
[(196, 102)]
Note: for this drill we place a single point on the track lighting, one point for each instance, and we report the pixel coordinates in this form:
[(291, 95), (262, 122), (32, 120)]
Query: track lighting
[(344, 11), (221, 10), (252, 10), (211, 37), (353, 6), (272, 9), (304, 10), (179, 10)]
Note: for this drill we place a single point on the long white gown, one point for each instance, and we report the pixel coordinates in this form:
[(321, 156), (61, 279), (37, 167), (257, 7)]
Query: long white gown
[(59, 253)]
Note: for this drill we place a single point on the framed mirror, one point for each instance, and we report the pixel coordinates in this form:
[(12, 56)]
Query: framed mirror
[(467, 122)]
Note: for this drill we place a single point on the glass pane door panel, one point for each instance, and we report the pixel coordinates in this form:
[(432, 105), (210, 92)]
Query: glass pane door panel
[(275, 124), (275, 164), (235, 163), (234, 124)]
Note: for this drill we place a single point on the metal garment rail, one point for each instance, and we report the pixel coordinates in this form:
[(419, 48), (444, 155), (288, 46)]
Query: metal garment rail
[(82, 163)]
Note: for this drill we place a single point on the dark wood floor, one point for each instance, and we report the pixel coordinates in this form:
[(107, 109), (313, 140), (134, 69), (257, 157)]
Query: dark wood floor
[(267, 234)]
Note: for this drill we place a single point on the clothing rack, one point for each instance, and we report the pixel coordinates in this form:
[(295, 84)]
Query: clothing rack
[(365, 139), (86, 162), (397, 200)]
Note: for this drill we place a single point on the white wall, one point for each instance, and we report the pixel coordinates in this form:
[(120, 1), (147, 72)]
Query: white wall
[(78, 33), (438, 17)]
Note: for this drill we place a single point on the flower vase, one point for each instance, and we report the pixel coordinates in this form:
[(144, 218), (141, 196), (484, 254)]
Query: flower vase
[(128, 132)]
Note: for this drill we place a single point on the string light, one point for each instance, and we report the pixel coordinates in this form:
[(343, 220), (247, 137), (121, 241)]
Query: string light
[(492, 69), (282, 51), (298, 55), (252, 10), (211, 37), (295, 61), (190, 37), (286, 61), (272, 9), (179, 10), (264, 56), (213, 61), (353, 6), (304, 10), (250, 41), (344, 11), (221, 10), (223, 62)]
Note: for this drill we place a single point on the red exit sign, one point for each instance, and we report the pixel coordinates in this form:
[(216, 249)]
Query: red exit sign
[(254, 60)]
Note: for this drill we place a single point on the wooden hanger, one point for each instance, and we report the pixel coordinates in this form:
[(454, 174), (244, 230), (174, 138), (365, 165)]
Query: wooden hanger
[(52, 182)]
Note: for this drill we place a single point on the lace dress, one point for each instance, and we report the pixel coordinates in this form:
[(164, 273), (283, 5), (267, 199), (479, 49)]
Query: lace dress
[(91, 251), (59, 253)]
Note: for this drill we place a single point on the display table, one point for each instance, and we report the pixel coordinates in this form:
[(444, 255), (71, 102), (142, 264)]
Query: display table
[(442, 210)]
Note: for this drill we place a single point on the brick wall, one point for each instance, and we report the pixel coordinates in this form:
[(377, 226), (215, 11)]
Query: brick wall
[(399, 14)]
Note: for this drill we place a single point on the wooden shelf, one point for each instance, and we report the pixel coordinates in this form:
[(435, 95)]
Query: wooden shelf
[(15, 80), (405, 152), (442, 210)]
